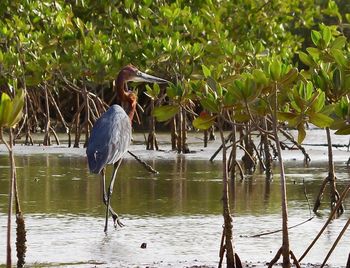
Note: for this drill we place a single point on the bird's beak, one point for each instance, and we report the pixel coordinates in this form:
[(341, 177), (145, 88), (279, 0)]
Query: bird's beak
[(143, 77)]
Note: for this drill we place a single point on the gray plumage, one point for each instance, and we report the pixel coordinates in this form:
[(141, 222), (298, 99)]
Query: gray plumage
[(109, 139)]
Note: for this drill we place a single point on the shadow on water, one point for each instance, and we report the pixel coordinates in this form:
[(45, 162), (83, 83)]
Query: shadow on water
[(177, 213)]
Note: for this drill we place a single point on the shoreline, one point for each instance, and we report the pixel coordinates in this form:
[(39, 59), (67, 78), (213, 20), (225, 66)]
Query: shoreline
[(314, 146)]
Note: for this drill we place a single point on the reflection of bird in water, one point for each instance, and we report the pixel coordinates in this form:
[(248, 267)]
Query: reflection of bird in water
[(111, 133)]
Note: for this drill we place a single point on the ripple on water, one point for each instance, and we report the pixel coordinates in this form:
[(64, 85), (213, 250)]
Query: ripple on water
[(171, 241)]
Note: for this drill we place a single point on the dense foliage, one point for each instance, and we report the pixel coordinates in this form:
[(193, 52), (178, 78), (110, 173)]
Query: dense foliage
[(67, 53)]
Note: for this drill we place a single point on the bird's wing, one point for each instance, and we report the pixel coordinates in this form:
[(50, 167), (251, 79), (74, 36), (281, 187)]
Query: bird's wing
[(109, 139), (120, 139)]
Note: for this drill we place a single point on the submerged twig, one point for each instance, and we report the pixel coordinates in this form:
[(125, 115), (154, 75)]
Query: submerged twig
[(307, 199), (336, 242), (330, 218), (146, 166), (279, 230)]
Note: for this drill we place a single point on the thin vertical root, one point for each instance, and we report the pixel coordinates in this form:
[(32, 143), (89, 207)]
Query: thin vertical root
[(336, 242), (330, 217), (276, 258)]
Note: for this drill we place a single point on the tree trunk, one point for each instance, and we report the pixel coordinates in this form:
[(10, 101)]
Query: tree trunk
[(228, 234), (184, 144), (331, 179), (212, 134), (285, 237), (233, 155), (206, 136), (267, 154), (28, 140), (11, 191), (21, 235), (152, 139), (173, 134), (77, 125), (179, 131), (47, 139), (334, 195), (87, 115)]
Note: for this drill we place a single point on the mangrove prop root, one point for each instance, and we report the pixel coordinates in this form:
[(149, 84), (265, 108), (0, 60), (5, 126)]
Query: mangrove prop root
[(276, 258), (55, 135), (295, 260), (220, 148), (336, 242), (20, 229), (278, 255), (238, 262), (241, 172), (307, 199), (152, 143), (348, 262), (20, 240), (320, 195), (146, 166), (222, 247), (334, 195), (330, 218), (307, 158)]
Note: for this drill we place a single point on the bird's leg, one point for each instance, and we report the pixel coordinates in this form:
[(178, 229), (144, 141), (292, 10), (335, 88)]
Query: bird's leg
[(109, 194), (104, 196), (105, 201)]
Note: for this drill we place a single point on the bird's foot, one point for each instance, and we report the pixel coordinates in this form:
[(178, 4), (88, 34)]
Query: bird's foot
[(116, 221)]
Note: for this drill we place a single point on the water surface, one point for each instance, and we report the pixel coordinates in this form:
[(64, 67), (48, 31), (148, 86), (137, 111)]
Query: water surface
[(177, 213)]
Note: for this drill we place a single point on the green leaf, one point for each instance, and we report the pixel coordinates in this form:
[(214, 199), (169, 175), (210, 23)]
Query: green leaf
[(204, 121), (301, 133), (241, 117), (164, 113), (309, 88), (320, 120), (306, 59), (339, 57), (209, 104), (275, 69), (286, 116), (206, 71), (174, 91), (315, 37), (17, 108), (290, 77), (260, 77), (339, 42), (343, 131), (337, 79), (5, 101), (314, 52), (319, 103), (326, 35)]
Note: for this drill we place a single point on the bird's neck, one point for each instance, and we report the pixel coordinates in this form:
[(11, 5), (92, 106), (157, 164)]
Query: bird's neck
[(125, 99), (121, 88)]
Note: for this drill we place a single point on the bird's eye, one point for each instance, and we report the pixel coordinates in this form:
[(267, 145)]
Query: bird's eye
[(138, 73)]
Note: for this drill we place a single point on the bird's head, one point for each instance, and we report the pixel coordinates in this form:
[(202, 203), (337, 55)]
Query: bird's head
[(127, 98), (131, 73)]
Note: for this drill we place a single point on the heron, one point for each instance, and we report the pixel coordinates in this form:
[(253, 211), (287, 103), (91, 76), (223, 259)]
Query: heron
[(111, 134)]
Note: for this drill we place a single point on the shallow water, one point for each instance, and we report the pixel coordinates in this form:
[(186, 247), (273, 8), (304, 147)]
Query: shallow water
[(177, 213)]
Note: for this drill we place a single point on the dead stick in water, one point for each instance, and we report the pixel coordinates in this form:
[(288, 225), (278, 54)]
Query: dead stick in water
[(147, 166), (343, 195), (336, 242), (295, 260)]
